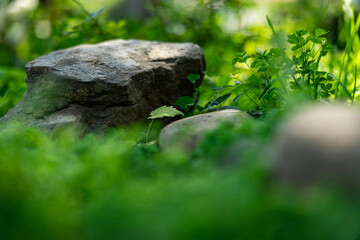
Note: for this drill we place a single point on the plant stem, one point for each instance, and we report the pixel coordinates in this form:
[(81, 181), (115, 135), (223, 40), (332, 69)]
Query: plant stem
[(316, 83), (251, 70), (251, 99), (353, 96), (147, 134)]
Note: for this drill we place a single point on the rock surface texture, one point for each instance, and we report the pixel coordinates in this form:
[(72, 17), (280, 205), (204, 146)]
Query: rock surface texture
[(188, 132), (319, 143), (107, 84)]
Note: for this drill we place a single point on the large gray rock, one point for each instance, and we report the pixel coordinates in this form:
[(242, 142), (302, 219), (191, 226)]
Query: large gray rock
[(107, 84), (188, 132), (319, 144)]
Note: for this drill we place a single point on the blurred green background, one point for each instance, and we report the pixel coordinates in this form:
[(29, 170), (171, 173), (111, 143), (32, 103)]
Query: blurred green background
[(31, 28), (66, 186)]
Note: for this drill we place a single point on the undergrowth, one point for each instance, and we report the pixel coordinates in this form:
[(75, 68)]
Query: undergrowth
[(66, 186), (273, 75), (96, 187)]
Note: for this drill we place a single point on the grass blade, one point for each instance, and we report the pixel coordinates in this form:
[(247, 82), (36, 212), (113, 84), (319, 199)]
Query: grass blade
[(354, 90), (271, 25), (347, 52)]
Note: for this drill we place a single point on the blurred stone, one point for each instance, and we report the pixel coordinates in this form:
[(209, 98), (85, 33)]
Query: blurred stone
[(241, 150), (319, 144), (187, 133), (106, 84)]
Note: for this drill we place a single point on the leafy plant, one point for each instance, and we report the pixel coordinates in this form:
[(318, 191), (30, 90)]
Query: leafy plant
[(162, 112), (307, 75), (188, 104), (273, 74)]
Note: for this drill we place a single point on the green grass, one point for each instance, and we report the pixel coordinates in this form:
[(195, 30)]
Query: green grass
[(62, 186)]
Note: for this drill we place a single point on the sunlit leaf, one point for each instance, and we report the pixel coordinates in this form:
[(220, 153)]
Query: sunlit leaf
[(164, 111), (320, 32)]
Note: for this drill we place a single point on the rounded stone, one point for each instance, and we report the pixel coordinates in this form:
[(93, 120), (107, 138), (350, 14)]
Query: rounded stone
[(187, 133), (319, 144)]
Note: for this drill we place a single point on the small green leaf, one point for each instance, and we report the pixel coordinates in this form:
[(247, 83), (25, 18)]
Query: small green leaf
[(276, 52), (255, 63), (184, 102), (262, 68), (302, 41), (240, 54), (328, 86), (320, 32), (164, 111), (296, 47), (301, 32), (193, 77), (292, 41), (236, 60), (240, 57)]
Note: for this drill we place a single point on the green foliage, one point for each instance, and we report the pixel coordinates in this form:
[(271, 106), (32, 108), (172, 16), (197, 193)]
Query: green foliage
[(187, 103), (307, 75), (66, 186), (107, 187), (193, 78), (12, 88), (273, 74)]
